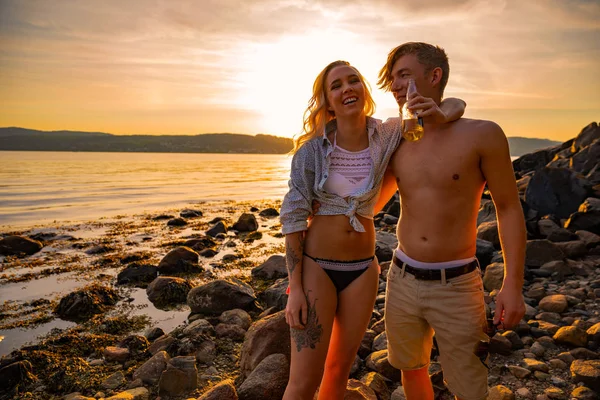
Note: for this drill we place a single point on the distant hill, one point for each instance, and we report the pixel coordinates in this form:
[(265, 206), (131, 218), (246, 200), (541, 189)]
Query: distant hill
[(19, 139)]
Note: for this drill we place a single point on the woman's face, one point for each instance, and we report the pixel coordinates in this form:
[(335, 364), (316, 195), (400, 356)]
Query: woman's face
[(345, 92)]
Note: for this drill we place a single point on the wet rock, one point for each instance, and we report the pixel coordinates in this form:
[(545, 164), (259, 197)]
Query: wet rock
[(586, 372), (162, 343), (268, 380), (376, 382), (17, 373), (178, 261), (153, 333), (224, 390), (152, 369), (208, 253), (584, 393), (190, 214), (137, 274), (139, 393), (236, 317), (116, 354), (198, 328), (378, 362), (540, 252), (234, 332), (246, 223), (166, 291), (557, 191), (217, 228), (206, 352), (137, 345), (572, 336), (114, 381), (357, 390), (82, 304), (275, 296), (177, 222), (273, 268), (555, 303), (19, 246), (162, 217), (493, 276), (270, 335), (180, 377), (489, 231), (218, 296), (200, 243), (587, 217), (500, 392), (269, 212)]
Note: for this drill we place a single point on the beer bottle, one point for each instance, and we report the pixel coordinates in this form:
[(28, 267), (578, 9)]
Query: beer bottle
[(412, 126)]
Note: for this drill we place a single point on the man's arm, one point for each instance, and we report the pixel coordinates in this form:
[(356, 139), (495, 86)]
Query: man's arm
[(497, 169), (388, 188)]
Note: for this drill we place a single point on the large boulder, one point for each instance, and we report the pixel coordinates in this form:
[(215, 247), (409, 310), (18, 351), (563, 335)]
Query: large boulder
[(586, 159), (274, 268), (487, 212), (270, 335), (166, 291), (587, 372), (540, 252), (180, 377), (152, 369), (587, 217), (18, 246), (587, 136), (484, 253), (217, 296), (489, 231), (17, 373), (268, 380), (179, 260), (557, 191), (275, 295), (82, 304)]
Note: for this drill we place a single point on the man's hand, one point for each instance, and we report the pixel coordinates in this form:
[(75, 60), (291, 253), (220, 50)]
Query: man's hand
[(510, 307), (426, 107), (296, 309)]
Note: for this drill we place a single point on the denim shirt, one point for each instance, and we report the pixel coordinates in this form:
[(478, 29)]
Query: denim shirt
[(310, 169)]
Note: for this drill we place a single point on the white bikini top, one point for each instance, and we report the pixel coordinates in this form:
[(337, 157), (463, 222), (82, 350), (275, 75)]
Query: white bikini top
[(348, 171)]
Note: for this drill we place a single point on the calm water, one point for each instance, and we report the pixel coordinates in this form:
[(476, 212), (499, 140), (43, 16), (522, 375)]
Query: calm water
[(42, 187)]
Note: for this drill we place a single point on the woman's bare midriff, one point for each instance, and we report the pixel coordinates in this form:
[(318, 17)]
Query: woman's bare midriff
[(332, 237)]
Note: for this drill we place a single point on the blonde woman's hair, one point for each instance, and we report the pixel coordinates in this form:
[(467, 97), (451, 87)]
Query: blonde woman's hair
[(317, 115)]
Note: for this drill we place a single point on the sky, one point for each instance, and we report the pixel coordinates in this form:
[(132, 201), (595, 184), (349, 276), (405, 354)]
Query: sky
[(211, 66)]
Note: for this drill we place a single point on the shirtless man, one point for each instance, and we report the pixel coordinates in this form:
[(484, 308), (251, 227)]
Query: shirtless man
[(434, 284)]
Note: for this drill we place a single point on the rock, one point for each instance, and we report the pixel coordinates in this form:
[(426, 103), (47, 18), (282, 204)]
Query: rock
[(590, 239), (537, 349), (19, 246), (152, 369), (198, 328), (116, 354), (137, 383), (268, 380), (566, 357), (558, 267), (180, 377), (514, 338), (586, 372), (555, 393), (378, 362), (524, 393), (487, 212), (582, 353), (177, 222), (16, 374), (269, 213), (270, 335), (82, 304), (137, 345), (162, 343), (246, 223), (200, 243), (273, 268), (572, 336), (540, 252), (275, 296), (153, 333), (557, 191), (217, 228), (218, 296), (534, 365), (114, 381), (162, 217), (234, 332), (554, 303), (500, 393), (493, 276), (573, 249), (166, 291), (224, 390), (380, 342), (178, 261), (484, 253), (206, 352), (547, 226), (357, 390), (377, 383), (519, 372), (190, 214), (557, 364), (583, 393), (536, 292), (137, 274), (587, 217), (398, 394), (489, 231), (548, 327), (139, 393), (594, 333), (236, 317)]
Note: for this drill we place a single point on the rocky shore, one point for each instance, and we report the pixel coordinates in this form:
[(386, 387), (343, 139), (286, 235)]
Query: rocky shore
[(189, 304)]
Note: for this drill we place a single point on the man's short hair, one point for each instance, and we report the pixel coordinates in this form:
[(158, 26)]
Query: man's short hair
[(428, 55)]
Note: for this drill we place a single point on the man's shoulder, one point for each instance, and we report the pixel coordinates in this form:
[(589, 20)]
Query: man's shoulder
[(479, 125)]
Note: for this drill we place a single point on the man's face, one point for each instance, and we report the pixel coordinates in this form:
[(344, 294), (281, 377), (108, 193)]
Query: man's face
[(405, 68)]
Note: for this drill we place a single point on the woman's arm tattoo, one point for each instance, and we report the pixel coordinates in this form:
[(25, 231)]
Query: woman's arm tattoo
[(293, 256)]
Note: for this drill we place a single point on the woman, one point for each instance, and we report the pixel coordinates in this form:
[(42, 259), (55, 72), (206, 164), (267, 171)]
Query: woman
[(339, 161)]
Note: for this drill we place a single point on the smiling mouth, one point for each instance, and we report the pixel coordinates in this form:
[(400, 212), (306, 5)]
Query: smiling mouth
[(350, 100)]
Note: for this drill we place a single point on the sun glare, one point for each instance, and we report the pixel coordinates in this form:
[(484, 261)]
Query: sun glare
[(277, 82)]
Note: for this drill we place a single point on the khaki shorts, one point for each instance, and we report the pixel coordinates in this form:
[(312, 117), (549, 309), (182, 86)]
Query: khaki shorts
[(455, 311)]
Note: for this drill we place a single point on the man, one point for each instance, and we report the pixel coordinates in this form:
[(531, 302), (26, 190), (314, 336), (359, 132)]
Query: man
[(434, 284)]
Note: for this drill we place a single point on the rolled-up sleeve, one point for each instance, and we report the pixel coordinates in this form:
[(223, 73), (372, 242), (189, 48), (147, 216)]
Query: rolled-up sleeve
[(297, 203)]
